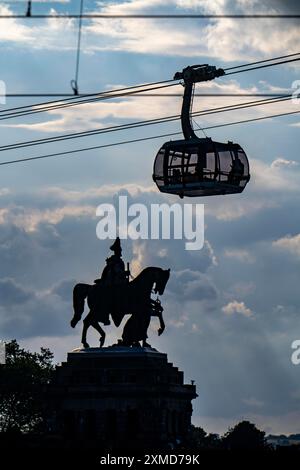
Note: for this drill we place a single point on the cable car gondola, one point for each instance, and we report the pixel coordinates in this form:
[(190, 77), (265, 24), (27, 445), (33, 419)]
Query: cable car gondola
[(197, 166)]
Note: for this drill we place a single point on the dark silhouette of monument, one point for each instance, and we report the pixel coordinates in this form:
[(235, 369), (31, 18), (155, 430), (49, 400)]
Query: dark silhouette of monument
[(114, 295), (127, 395), (122, 397)]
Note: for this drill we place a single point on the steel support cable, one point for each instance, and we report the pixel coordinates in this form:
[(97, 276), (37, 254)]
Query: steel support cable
[(169, 81), (128, 126), (142, 139)]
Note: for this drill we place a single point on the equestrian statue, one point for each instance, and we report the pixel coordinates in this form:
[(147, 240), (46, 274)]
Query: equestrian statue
[(114, 295)]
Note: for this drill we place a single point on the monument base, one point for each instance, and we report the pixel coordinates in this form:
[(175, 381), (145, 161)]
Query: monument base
[(121, 397)]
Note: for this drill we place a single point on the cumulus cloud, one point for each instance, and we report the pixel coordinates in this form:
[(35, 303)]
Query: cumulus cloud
[(234, 209), (46, 262), (282, 162), (192, 285), (64, 289), (12, 293), (39, 247), (99, 115), (45, 35), (13, 30), (241, 255), (171, 254), (217, 38), (270, 185), (272, 177), (48, 241), (289, 243), (237, 307), (29, 219), (214, 38), (26, 312), (241, 289)]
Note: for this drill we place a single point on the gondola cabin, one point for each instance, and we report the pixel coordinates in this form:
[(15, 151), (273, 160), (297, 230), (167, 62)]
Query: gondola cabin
[(201, 167), (194, 166)]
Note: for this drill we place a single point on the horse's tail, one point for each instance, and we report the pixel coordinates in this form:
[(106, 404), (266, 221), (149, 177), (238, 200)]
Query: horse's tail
[(80, 292)]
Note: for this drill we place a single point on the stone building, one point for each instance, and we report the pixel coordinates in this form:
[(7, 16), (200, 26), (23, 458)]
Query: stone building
[(121, 397)]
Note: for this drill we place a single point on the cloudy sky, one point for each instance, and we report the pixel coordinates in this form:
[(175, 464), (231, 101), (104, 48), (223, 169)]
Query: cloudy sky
[(232, 309)]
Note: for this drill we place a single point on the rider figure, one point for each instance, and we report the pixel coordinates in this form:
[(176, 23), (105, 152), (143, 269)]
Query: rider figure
[(114, 273)]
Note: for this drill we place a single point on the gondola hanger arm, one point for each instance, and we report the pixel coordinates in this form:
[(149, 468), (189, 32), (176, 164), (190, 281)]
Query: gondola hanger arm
[(199, 73), (191, 75)]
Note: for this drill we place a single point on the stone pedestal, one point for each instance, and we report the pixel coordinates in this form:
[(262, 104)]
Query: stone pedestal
[(122, 397)]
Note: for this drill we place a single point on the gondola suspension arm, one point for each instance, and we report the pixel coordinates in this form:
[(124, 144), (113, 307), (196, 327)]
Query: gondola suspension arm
[(191, 75)]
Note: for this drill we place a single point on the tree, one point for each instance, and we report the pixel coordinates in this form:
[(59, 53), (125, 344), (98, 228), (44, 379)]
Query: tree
[(22, 387), (199, 439), (245, 435), (213, 441)]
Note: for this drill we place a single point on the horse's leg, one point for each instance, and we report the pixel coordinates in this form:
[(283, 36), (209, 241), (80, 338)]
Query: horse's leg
[(127, 335), (86, 325), (80, 292), (98, 328), (145, 325)]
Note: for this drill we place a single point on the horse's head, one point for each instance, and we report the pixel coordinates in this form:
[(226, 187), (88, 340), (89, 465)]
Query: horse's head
[(161, 281)]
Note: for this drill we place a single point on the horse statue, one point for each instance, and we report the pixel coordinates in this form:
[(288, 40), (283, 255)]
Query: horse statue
[(133, 298)]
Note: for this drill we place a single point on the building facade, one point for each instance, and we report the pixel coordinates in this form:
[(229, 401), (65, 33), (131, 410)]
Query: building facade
[(122, 398)]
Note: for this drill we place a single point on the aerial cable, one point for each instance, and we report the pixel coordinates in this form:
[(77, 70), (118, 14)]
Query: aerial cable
[(261, 66), (63, 105), (154, 16), (48, 105), (133, 125), (262, 61), (8, 115), (74, 83), (146, 95), (137, 124), (142, 139), (167, 81)]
